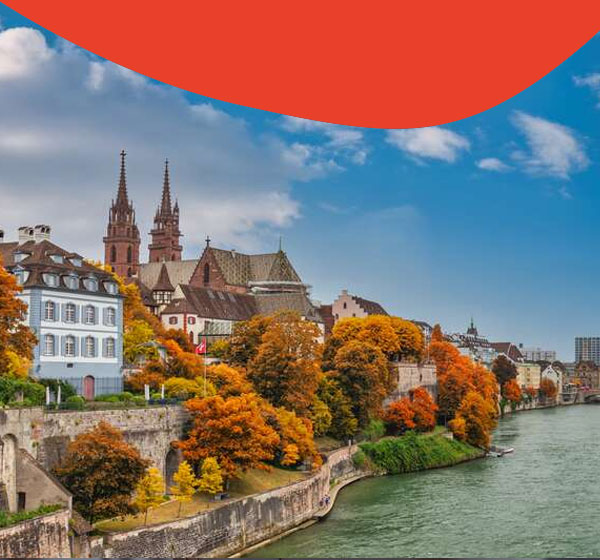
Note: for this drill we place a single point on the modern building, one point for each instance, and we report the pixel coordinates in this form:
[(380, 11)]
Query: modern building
[(74, 309), (531, 354), (587, 349), (347, 305)]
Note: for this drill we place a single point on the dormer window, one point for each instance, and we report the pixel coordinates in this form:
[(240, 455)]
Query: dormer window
[(58, 259), (22, 275), (71, 281), (91, 284), (18, 257), (111, 287), (50, 279), (75, 261)]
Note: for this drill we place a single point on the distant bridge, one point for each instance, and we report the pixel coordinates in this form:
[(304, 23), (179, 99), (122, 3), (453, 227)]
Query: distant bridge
[(591, 397)]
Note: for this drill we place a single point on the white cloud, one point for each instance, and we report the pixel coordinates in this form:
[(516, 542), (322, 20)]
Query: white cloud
[(592, 81), (565, 193), (554, 149), (65, 115), (22, 51), (433, 142), (343, 143), (492, 164)]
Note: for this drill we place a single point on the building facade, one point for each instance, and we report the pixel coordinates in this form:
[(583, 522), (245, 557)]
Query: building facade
[(587, 349), (529, 374), (347, 305), (74, 309), (531, 354)]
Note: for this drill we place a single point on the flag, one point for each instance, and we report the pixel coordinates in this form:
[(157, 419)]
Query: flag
[(201, 348)]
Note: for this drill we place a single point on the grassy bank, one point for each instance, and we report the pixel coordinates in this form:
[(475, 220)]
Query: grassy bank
[(412, 452), (8, 519)]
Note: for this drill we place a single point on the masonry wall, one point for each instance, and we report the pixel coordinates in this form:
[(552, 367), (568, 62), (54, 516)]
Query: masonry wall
[(237, 525), (410, 376), (43, 537)]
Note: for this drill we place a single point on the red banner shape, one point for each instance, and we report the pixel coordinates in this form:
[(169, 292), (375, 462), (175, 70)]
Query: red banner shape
[(385, 64)]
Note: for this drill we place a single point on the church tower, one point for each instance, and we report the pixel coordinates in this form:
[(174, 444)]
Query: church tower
[(165, 234), (122, 240)]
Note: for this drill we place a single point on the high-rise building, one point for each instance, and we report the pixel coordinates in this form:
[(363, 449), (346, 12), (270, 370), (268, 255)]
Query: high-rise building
[(587, 349)]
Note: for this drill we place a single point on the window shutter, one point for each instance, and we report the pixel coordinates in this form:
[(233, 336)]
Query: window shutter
[(83, 346), (104, 347), (76, 346), (63, 312), (55, 311), (95, 352), (96, 318), (104, 316), (77, 310), (63, 349)]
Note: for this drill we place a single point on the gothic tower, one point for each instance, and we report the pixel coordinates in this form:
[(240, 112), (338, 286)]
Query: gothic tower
[(165, 234), (122, 241)]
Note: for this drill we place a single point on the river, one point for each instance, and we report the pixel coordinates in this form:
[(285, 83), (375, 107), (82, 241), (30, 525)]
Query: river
[(541, 501)]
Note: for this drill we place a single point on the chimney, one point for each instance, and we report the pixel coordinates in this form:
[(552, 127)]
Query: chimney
[(25, 234), (1, 236), (41, 233)]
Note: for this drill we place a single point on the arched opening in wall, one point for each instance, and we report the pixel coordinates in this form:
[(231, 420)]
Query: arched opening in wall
[(89, 387), (8, 473), (172, 461)]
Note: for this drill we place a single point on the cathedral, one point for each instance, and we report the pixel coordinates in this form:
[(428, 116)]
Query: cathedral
[(203, 296)]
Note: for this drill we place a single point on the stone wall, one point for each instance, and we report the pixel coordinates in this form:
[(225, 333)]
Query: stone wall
[(43, 537), (410, 376), (238, 524)]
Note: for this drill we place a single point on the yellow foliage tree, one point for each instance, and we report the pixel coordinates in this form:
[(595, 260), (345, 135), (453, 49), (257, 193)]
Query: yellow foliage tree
[(291, 455), (149, 491), (186, 388), (211, 479), (185, 484)]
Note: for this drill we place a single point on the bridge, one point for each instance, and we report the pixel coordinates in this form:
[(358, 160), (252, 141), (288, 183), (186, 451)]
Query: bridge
[(591, 397)]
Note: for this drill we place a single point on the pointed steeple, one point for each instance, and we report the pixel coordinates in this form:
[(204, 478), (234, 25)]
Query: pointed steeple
[(165, 205), (122, 199)]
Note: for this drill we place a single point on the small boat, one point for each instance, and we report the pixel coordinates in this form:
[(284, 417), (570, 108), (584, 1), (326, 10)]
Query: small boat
[(497, 451)]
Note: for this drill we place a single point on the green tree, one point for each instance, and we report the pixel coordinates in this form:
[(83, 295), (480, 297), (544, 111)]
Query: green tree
[(343, 423), (211, 479), (101, 470), (185, 484), (149, 491)]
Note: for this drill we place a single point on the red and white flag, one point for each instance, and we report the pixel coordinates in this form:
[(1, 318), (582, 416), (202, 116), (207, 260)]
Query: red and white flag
[(201, 348)]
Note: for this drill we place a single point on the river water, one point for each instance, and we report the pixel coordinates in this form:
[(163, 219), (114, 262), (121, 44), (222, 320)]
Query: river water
[(541, 501)]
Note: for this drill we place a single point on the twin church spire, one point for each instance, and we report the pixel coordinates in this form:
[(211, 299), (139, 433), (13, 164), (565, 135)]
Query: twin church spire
[(122, 240)]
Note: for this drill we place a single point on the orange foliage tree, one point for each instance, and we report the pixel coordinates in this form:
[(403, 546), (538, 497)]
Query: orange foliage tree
[(399, 416), (548, 388), (286, 368), (245, 340), (229, 381), (15, 337), (101, 470), (424, 409), (232, 430), (511, 391), (474, 420)]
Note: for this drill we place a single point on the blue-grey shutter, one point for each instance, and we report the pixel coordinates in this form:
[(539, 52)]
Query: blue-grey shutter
[(76, 346), (77, 311), (63, 344), (56, 312), (104, 347), (83, 346), (63, 312), (96, 318), (105, 316)]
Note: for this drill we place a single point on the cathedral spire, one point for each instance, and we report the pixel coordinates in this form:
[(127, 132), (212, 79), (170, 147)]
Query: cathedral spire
[(122, 199), (165, 205)]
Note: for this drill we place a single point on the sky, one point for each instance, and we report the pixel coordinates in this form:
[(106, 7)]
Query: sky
[(493, 217)]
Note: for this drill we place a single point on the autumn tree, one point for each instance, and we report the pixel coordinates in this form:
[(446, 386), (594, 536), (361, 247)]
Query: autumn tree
[(183, 388), (181, 363), (152, 375), (548, 388), (399, 416), (16, 339), (436, 334), (185, 484), (138, 342), (343, 422), (511, 391), (410, 339), (101, 470), (424, 409), (232, 430), (149, 491), (321, 417), (474, 420), (504, 369), (286, 368), (211, 479), (364, 375), (245, 340), (228, 381), (181, 338)]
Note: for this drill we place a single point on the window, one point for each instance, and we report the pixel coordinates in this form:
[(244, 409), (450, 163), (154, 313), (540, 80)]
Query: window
[(110, 347), (49, 349), (110, 287), (113, 254), (18, 257), (206, 273), (345, 305), (76, 261), (129, 254), (72, 281), (90, 314), (70, 313), (90, 347), (191, 320), (172, 320), (50, 280), (57, 259), (129, 272), (91, 284), (49, 311), (111, 317), (70, 346), (21, 275)]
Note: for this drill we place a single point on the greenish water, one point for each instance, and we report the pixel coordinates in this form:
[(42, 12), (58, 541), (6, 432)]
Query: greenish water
[(541, 501)]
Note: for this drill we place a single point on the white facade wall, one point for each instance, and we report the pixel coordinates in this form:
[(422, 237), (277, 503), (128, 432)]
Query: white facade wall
[(345, 306)]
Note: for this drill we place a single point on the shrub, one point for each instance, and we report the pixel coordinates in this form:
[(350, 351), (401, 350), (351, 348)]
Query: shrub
[(75, 402), (66, 389), (11, 388), (138, 401), (374, 430)]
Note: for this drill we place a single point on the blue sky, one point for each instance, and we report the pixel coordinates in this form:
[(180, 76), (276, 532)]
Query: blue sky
[(494, 217)]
